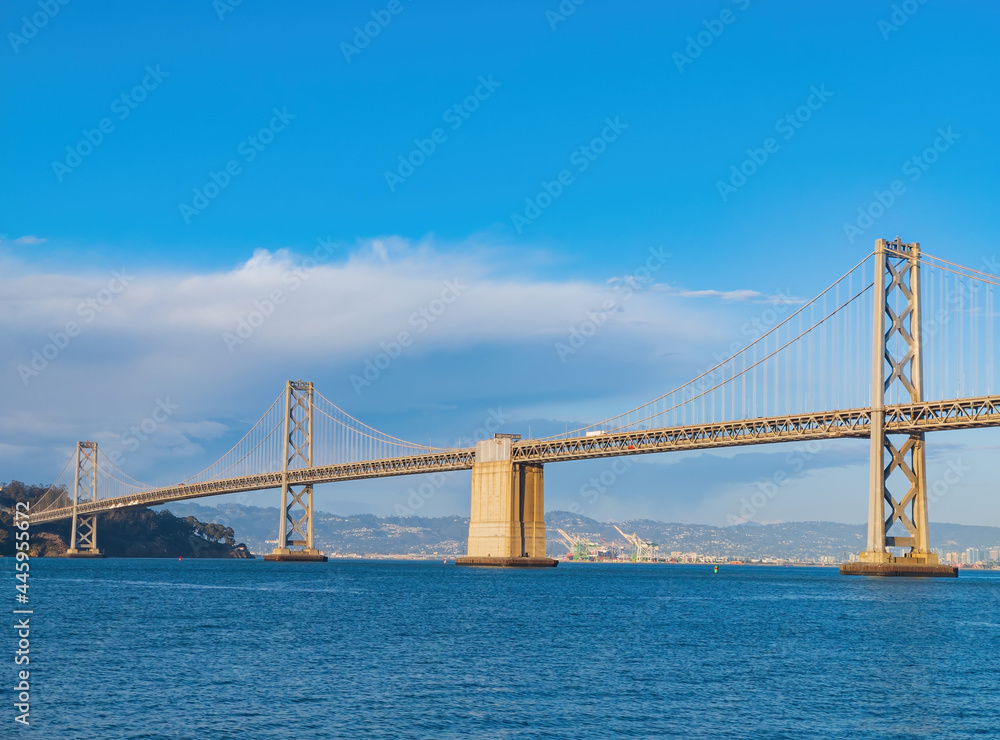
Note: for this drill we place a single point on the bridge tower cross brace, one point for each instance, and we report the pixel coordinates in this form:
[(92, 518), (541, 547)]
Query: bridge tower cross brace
[(903, 459), (83, 534), (295, 533)]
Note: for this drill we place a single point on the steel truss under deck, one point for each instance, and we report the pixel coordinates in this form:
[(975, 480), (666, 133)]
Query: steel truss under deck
[(928, 416)]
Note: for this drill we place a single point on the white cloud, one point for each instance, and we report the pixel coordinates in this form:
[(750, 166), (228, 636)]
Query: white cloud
[(165, 334), (12, 452), (161, 337), (346, 306), (726, 295), (30, 239)]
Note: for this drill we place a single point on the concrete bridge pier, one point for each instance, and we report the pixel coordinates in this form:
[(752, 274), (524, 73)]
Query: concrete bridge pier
[(507, 526), (83, 535)]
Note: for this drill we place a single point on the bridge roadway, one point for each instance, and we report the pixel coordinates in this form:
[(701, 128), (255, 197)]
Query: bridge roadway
[(929, 416)]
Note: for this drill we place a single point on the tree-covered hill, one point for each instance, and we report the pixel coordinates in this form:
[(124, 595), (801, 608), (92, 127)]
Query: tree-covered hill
[(128, 533)]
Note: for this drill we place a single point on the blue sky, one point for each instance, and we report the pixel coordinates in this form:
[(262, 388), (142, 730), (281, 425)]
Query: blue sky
[(632, 114)]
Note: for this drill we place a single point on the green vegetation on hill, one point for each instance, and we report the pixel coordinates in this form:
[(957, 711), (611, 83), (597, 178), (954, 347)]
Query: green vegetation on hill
[(128, 533)]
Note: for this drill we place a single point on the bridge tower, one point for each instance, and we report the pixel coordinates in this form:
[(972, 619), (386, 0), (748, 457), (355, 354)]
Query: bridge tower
[(83, 535), (507, 526), (898, 463), (295, 533)]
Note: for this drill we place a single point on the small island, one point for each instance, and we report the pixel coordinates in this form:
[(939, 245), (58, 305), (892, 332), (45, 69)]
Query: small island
[(125, 533)]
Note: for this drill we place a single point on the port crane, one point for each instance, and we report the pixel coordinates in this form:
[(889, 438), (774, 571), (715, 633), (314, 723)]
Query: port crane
[(580, 548), (642, 551)]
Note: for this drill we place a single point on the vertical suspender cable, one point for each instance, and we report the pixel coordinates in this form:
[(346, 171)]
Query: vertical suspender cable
[(763, 379), (822, 359), (961, 338), (974, 338), (946, 304), (989, 340), (743, 392)]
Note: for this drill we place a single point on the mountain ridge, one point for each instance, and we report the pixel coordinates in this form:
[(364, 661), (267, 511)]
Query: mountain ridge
[(393, 535)]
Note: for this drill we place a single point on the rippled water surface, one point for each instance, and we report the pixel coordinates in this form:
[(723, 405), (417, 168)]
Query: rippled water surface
[(247, 649)]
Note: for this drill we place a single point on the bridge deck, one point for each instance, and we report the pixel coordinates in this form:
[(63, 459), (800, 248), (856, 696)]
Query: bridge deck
[(903, 419), (441, 461)]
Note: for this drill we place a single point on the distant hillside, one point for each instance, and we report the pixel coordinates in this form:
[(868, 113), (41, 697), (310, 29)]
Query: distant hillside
[(801, 540), (129, 533), (369, 534), (357, 535)]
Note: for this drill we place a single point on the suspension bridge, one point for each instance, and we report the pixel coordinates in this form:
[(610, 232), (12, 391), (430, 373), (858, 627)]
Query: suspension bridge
[(902, 344)]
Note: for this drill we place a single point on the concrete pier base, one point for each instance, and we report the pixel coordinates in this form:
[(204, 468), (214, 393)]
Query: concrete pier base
[(508, 562), (507, 526), (90, 554), (296, 556), (896, 568), (911, 564)]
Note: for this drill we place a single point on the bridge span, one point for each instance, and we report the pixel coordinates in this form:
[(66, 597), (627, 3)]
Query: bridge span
[(970, 413), (804, 379)]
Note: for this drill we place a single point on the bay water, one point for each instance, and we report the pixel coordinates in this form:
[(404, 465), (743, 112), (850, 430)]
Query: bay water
[(387, 649)]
